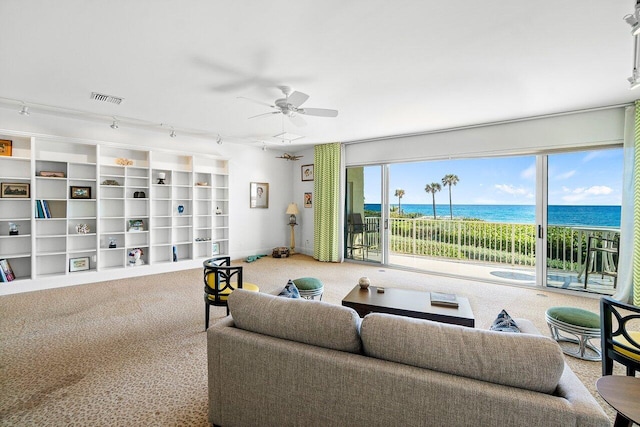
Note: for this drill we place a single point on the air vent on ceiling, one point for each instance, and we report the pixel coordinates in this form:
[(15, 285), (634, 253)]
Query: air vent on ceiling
[(106, 98)]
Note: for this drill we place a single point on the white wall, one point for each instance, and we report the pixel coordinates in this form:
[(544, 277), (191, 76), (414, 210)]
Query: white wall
[(252, 231)]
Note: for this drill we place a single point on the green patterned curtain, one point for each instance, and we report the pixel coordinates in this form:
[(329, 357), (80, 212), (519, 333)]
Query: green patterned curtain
[(326, 209), (636, 209)]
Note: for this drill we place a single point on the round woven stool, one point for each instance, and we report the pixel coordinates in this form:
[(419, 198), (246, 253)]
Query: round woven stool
[(581, 324), (309, 287)]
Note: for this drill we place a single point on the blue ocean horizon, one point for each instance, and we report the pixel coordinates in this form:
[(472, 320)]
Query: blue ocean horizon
[(598, 216)]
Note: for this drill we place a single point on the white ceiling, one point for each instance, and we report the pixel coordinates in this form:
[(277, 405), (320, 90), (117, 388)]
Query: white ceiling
[(389, 67)]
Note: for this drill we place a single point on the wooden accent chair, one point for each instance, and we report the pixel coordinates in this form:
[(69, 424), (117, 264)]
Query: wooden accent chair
[(618, 342), (220, 279)]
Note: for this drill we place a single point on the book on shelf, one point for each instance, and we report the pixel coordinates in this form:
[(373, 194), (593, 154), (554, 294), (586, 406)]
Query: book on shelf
[(7, 272), (444, 299), (3, 277)]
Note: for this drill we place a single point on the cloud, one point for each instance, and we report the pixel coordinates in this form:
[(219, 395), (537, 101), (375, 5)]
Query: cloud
[(565, 175), (510, 189), (529, 173), (582, 193), (591, 155)]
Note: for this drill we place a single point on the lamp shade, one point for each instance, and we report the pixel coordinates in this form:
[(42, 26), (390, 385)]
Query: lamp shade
[(292, 209)]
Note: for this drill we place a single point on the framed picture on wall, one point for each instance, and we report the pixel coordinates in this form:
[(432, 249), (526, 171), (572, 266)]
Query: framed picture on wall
[(259, 195), (307, 172), (308, 200)]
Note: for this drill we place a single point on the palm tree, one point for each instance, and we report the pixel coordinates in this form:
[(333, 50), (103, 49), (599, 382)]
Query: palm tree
[(433, 188), (399, 195), (450, 180)]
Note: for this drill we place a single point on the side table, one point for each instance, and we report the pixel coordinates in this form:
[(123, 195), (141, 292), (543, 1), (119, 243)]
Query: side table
[(623, 394)]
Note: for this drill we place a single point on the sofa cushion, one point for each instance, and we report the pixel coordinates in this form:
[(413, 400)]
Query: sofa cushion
[(310, 322), (504, 323), (526, 361)]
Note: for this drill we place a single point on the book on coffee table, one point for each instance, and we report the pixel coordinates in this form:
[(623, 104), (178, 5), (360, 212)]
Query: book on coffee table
[(445, 300)]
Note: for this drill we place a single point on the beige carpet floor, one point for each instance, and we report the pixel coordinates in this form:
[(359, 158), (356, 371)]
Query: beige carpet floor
[(132, 352)]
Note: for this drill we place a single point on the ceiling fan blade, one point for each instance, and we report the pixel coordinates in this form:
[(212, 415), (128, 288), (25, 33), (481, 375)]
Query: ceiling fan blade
[(264, 114), (322, 112), (257, 102), (298, 120), (297, 98)]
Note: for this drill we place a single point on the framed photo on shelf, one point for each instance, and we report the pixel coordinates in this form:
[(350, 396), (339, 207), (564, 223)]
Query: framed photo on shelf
[(79, 264), (15, 190), (136, 225), (307, 172), (80, 192), (259, 195), (308, 200), (6, 146), (51, 174), (215, 249)]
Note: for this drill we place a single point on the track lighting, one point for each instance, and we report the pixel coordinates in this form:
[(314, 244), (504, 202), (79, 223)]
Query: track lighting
[(114, 125), (635, 76), (219, 140), (264, 147), (24, 111), (634, 20), (173, 133)]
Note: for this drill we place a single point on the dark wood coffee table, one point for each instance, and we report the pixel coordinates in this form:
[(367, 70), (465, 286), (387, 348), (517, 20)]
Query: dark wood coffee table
[(405, 302), (623, 393)]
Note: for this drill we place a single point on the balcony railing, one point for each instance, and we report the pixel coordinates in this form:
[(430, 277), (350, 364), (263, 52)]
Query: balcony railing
[(488, 242)]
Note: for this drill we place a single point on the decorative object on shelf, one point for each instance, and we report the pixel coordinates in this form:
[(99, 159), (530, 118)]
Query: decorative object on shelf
[(79, 264), (180, 209), (292, 211), (6, 273), (364, 282), (175, 254), (110, 182), (113, 243), (203, 239), (6, 146), (307, 172), (308, 200), (51, 174), (380, 290), (218, 211), (80, 192), (259, 195), (215, 249), (15, 190), (161, 177), (139, 195), (136, 225), (83, 228), (135, 257), (124, 162), (13, 229), (202, 184)]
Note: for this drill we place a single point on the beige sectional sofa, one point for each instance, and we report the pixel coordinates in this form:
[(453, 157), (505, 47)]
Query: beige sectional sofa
[(291, 362)]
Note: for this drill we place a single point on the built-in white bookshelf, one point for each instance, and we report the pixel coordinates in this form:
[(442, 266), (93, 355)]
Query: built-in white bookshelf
[(99, 202)]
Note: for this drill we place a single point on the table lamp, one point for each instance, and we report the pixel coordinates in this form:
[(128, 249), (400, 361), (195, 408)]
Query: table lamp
[(292, 211)]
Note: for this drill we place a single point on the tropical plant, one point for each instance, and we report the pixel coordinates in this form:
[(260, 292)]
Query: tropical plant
[(433, 188), (399, 195), (450, 180)]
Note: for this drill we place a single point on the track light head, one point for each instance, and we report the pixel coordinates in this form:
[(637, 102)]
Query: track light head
[(264, 147), (219, 140), (634, 80), (114, 125), (25, 111), (634, 20), (173, 133)]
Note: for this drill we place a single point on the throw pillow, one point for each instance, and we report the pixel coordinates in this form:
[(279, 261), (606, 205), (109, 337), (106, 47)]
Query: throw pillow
[(504, 323), (290, 290)]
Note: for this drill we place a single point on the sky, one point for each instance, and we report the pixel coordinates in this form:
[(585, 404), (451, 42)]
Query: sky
[(578, 178)]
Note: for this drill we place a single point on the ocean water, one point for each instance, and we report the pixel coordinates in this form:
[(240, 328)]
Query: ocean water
[(599, 216)]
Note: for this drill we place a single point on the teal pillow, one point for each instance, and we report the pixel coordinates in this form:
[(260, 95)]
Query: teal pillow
[(290, 290), (504, 323)]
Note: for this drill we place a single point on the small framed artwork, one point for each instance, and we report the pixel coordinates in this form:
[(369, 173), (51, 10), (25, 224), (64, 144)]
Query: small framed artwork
[(79, 264), (15, 190), (307, 172), (136, 225), (80, 192), (215, 249), (259, 195), (51, 174), (6, 146), (308, 200)]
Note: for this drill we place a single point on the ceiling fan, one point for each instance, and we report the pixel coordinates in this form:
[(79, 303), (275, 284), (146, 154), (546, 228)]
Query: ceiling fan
[(288, 156), (290, 106)]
